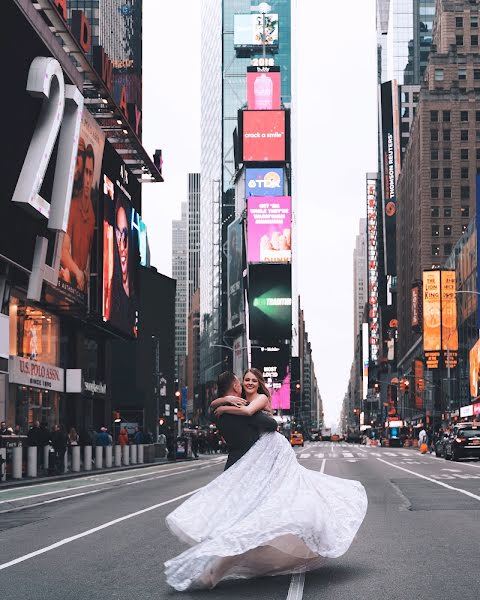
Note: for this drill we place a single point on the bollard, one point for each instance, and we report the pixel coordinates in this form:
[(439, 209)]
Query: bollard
[(46, 453), (98, 457), (87, 458), (3, 460), (140, 454), (133, 454), (75, 459), (108, 457), (17, 462), (32, 461), (125, 455), (118, 456), (65, 461)]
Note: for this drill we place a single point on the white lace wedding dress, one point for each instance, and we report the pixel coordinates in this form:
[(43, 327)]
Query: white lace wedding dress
[(266, 515)]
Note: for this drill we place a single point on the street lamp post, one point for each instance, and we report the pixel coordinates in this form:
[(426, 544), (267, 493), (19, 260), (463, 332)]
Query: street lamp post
[(264, 8)]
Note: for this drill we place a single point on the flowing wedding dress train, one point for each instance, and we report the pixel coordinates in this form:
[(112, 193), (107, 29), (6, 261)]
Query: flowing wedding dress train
[(266, 515)]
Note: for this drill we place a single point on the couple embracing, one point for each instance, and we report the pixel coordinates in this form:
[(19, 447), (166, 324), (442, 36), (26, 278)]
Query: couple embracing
[(265, 514)]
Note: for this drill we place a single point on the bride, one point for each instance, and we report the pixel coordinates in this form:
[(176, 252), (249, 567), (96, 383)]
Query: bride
[(266, 515)]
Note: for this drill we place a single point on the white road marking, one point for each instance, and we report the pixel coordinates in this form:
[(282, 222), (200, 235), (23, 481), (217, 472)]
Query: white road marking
[(347, 455), (320, 455), (295, 591), (354, 460), (445, 485), (78, 536), (305, 455), (322, 467)]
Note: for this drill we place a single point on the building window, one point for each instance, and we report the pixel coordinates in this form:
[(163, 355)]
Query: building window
[(464, 115), (434, 192), (465, 211), (434, 173), (405, 97), (474, 40), (405, 127), (434, 155), (416, 95), (462, 73), (435, 250), (435, 230), (447, 173), (446, 135), (458, 22), (434, 135), (459, 40), (464, 154), (447, 155), (464, 172), (434, 212), (447, 192), (434, 116), (438, 76), (478, 135), (447, 249), (446, 116), (447, 230), (476, 73), (474, 22), (447, 211), (465, 192), (464, 135), (478, 153)]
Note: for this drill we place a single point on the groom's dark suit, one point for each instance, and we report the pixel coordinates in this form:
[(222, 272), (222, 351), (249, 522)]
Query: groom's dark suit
[(241, 433)]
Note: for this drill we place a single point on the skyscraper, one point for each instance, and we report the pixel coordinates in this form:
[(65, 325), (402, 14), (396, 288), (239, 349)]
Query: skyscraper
[(180, 273), (193, 236), (223, 94), (360, 284)]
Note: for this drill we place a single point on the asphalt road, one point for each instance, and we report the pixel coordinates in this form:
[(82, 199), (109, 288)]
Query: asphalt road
[(103, 536)]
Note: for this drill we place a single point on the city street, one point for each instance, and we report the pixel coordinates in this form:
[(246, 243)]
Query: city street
[(103, 536)]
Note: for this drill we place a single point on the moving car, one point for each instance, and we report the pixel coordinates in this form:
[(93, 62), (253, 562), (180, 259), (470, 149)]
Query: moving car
[(296, 439), (463, 442)]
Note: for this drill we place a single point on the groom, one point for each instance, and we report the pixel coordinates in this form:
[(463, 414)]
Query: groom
[(238, 431)]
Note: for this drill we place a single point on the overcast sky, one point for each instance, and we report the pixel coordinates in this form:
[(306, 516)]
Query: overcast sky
[(336, 112)]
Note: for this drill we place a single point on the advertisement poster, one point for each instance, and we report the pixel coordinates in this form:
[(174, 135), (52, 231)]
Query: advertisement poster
[(449, 318), (263, 88), (248, 30), (74, 274), (263, 135), (419, 383), (270, 301), (121, 257), (432, 318), (474, 369), (274, 363), (235, 274), (269, 229), (264, 182), (373, 276)]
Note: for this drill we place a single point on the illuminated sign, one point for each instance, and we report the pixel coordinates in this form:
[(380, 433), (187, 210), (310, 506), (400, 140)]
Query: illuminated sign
[(372, 260), (35, 374), (365, 359), (269, 229), (449, 318), (416, 307), (248, 30), (263, 88), (474, 369), (270, 301), (264, 182), (263, 135), (274, 363), (419, 386)]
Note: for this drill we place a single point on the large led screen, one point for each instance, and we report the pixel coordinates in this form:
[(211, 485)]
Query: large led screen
[(74, 273), (269, 229), (263, 88), (270, 301), (264, 182), (274, 363), (248, 30), (121, 256), (474, 369), (236, 309), (263, 135)]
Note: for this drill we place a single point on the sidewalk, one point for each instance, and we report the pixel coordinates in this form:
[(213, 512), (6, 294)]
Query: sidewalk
[(29, 481)]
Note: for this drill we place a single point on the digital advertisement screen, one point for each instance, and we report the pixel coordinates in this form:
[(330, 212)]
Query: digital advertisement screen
[(74, 273), (263, 135), (449, 318), (264, 182), (269, 229), (248, 30), (270, 301), (263, 89), (274, 363), (121, 256), (235, 274), (432, 318), (474, 369)]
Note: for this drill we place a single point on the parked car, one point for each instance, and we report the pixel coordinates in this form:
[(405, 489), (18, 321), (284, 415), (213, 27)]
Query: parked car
[(440, 445), (296, 439), (463, 442)]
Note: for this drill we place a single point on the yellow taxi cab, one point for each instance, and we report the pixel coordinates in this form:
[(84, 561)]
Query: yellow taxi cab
[(335, 438), (296, 439)]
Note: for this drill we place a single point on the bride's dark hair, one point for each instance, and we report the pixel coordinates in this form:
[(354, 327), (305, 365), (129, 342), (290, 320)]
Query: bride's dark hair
[(262, 386)]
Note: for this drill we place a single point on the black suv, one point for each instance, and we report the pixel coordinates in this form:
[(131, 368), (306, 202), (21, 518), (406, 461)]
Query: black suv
[(463, 442)]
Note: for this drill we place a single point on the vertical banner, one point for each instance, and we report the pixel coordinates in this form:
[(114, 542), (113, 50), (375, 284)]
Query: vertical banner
[(365, 360), (474, 369), (372, 263), (419, 383), (449, 318), (416, 307), (432, 318), (477, 219), (235, 274)]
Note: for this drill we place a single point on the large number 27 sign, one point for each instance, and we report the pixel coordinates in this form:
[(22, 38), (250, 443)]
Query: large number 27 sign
[(61, 111)]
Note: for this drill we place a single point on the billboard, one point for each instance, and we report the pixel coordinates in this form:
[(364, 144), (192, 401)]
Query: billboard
[(236, 308), (365, 360), (263, 135), (270, 301), (449, 318), (274, 363), (74, 273), (263, 88), (474, 369), (419, 381), (264, 182), (391, 156), (269, 229), (477, 219), (121, 245), (372, 262), (248, 30)]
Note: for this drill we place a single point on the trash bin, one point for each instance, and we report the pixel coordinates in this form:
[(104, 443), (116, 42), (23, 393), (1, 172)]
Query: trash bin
[(184, 447), (149, 453)]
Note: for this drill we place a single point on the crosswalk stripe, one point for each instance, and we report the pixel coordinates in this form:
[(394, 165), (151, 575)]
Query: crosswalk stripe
[(347, 454), (320, 455)]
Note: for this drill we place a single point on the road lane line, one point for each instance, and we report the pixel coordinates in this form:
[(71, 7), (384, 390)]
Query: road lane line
[(295, 591), (88, 532), (320, 455), (322, 466), (347, 454), (445, 485)]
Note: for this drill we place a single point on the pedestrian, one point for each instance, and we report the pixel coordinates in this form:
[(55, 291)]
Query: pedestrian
[(195, 445), (103, 439), (4, 430), (138, 438), (18, 430), (148, 437), (73, 438), (34, 437), (422, 436), (123, 437), (58, 441)]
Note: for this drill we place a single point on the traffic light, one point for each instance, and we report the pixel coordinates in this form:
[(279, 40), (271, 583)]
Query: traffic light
[(376, 388), (161, 421), (407, 386), (177, 396), (297, 387)]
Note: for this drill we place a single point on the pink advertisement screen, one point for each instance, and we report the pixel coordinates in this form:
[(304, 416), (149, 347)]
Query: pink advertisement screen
[(263, 135), (263, 91), (269, 229)]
